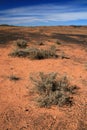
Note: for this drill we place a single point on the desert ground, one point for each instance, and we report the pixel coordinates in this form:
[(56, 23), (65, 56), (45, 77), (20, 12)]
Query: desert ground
[(19, 109)]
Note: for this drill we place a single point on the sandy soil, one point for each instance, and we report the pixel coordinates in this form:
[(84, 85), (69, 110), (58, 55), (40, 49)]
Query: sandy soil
[(18, 108)]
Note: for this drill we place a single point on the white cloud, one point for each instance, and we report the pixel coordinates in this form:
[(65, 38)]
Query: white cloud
[(68, 16), (43, 13)]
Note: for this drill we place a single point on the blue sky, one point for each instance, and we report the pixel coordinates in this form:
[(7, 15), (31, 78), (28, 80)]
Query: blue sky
[(43, 12)]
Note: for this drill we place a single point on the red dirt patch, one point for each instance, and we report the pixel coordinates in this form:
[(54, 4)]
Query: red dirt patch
[(18, 108)]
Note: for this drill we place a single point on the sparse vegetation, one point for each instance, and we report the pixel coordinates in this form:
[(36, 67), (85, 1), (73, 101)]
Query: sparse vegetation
[(21, 43), (19, 95), (20, 53), (34, 53), (43, 54), (53, 90)]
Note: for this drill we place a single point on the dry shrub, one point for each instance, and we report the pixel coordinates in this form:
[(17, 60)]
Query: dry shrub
[(53, 90), (19, 53), (21, 43), (34, 53)]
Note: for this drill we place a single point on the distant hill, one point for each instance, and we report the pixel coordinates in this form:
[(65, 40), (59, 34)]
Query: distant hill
[(6, 25)]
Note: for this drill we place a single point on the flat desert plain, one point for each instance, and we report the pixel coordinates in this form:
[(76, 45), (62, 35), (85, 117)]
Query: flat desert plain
[(19, 106)]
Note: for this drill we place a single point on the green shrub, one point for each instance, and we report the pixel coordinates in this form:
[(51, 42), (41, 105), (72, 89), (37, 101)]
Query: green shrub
[(21, 43), (43, 54), (34, 53), (53, 90), (19, 53)]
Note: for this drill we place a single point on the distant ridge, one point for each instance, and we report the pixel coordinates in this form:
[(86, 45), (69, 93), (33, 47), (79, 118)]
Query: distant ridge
[(45, 26), (6, 25)]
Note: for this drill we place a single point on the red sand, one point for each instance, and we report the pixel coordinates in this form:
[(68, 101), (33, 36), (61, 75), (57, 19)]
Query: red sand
[(18, 108)]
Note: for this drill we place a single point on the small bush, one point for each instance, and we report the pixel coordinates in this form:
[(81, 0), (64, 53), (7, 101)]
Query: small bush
[(21, 43), (53, 90), (34, 53), (19, 53), (43, 54)]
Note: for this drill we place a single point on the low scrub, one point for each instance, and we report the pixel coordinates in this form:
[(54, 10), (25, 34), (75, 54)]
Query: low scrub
[(53, 90), (43, 54), (19, 53), (34, 53), (21, 43)]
